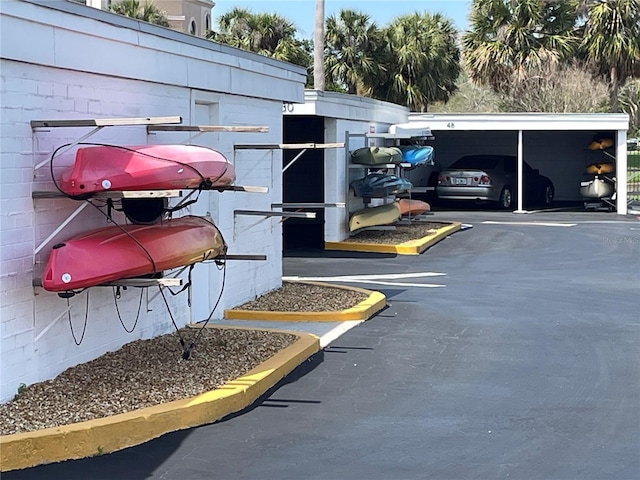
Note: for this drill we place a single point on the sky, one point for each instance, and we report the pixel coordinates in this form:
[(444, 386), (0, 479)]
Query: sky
[(301, 12)]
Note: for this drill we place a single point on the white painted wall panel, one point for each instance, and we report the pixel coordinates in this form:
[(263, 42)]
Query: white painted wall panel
[(83, 68), (338, 174)]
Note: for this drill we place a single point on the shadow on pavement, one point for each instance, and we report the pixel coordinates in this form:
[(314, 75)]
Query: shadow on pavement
[(300, 371)]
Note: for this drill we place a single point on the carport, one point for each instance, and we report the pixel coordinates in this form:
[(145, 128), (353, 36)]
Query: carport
[(556, 144)]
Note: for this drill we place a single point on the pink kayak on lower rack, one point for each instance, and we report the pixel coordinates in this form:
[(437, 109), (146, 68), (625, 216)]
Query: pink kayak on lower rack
[(102, 168), (128, 251)]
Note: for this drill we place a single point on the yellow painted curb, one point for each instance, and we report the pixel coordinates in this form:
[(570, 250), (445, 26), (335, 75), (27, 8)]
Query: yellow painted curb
[(109, 434), (363, 311), (412, 247)]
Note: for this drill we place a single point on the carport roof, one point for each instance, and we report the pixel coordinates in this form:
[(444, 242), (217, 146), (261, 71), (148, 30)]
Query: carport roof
[(514, 121)]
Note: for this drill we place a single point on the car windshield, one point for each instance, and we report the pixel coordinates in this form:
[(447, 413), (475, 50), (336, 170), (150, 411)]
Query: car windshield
[(476, 163)]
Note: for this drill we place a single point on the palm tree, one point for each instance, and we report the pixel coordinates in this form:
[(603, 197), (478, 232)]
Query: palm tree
[(611, 41), (318, 47), (508, 38), (422, 62), (147, 12), (267, 34), (353, 48)]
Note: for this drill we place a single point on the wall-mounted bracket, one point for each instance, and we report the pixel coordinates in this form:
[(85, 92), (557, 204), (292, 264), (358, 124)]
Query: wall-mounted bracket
[(104, 122), (112, 194), (73, 215), (256, 256), (242, 188), (266, 213), (286, 146), (308, 205), (201, 129), (132, 282)]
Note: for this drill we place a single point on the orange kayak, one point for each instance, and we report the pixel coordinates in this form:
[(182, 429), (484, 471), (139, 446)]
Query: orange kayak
[(413, 207)]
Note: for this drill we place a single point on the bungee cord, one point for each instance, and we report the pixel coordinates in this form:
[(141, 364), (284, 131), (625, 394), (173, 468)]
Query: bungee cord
[(206, 183)]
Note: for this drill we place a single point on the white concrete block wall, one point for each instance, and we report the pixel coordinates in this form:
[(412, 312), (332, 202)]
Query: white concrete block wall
[(40, 82)]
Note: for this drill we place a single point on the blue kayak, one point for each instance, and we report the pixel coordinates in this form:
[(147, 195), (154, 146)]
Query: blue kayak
[(417, 154), (380, 185)]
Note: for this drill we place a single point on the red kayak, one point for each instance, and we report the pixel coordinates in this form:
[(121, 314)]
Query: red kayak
[(102, 168), (110, 254)]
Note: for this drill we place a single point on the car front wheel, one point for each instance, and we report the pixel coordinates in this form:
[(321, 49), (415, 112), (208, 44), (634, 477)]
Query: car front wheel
[(506, 198)]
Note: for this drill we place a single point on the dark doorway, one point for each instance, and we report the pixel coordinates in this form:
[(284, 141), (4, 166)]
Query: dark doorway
[(303, 182)]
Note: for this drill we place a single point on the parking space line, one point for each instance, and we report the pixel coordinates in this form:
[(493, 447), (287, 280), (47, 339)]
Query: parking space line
[(535, 224), (381, 279)]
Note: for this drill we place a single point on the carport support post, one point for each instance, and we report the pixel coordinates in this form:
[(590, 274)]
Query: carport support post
[(621, 173), (520, 191)]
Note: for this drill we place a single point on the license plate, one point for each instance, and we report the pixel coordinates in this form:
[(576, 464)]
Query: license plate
[(460, 181)]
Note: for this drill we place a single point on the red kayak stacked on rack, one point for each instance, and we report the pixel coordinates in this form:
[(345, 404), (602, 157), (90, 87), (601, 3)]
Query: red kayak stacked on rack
[(128, 251), (104, 168)]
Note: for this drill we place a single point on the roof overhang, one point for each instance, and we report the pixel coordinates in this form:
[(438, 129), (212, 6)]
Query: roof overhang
[(348, 107), (515, 122)]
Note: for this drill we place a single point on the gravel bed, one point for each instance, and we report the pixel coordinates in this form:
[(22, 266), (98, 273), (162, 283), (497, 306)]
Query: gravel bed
[(144, 373), (304, 297), (401, 234), (140, 374)]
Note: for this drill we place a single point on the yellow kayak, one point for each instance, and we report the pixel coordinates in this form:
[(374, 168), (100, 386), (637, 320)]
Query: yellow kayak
[(374, 216), (601, 144), (600, 168)]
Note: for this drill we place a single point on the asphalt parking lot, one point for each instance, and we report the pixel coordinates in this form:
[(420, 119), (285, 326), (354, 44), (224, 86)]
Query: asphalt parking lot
[(508, 350)]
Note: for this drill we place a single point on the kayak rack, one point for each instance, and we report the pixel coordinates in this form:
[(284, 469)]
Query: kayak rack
[(152, 124), (370, 139)]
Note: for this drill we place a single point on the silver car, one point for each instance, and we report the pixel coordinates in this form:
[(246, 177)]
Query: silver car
[(492, 178)]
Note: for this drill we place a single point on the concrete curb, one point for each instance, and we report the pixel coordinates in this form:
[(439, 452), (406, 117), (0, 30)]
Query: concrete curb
[(413, 247), (106, 435), (363, 311)]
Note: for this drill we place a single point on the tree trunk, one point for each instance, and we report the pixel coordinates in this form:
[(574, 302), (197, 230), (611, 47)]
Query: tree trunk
[(318, 47), (613, 90)]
